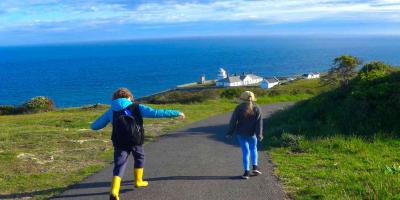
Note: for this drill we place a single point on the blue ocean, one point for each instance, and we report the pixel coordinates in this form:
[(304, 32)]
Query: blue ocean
[(87, 73)]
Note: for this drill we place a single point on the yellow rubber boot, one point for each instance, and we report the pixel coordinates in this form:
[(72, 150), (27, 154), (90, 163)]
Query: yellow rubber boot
[(139, 178), (116, 183)]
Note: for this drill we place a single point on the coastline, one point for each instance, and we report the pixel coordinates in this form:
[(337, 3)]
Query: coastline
[(185, 87)]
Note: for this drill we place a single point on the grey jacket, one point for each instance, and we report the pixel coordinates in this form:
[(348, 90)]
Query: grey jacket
[(246, 126)]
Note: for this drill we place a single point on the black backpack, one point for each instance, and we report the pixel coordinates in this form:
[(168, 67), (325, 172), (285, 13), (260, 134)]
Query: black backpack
[(127, 129)]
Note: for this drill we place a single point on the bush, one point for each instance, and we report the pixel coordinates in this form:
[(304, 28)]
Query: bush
[(96, 106), (290, 140), (295, 92), (8, 110), (183, 97), (38, 104), (273, 93), (232, 93), (308, 91), (374, 70)]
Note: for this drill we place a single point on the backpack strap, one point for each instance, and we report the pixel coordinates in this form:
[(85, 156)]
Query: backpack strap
[(134, 108)]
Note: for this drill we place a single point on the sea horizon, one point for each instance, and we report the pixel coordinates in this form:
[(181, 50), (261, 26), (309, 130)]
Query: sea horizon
[(194, 37)]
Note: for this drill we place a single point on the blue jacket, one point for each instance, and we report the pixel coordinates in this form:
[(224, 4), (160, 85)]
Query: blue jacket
[(122, 103)]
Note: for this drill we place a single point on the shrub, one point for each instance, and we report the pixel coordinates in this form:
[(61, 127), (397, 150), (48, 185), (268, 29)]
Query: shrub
[(38, 104), (232, 93), (290, 140), (7, 110), (183, 97), (96, 106), (374, 70), (273, 93), (295, 92), (308, 91)]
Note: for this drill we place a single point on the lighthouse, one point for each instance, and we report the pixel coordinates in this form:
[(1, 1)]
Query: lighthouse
[(221, 74)]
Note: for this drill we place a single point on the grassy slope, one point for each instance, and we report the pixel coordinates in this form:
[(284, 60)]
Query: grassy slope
[(64, 151), (340, 168), (60, 150), (350, 147)]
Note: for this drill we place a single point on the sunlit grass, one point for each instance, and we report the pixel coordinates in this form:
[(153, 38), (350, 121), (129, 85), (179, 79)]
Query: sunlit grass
[(340, 168)]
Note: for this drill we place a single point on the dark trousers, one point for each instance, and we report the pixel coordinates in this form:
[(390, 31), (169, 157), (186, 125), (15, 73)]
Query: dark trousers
[(121, 158)]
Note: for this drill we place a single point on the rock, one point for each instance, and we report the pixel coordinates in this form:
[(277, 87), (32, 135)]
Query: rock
[(40, 162), (79, 141), (26, 156)]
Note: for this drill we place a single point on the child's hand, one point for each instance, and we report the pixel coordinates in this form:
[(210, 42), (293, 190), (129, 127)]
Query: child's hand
[(182, 115)]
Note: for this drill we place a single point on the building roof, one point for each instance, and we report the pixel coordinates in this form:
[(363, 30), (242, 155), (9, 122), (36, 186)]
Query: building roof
[(234, 79), (230, 79), (271, 80), (253, 76)]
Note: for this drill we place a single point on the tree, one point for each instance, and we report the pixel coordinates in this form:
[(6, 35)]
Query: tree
[(343, 70)]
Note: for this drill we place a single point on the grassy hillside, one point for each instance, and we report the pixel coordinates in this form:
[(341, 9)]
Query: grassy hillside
[(344, 143), (366, 108), (41, 154)]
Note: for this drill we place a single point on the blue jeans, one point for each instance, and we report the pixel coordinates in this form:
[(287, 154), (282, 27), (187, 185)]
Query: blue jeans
[(249, 149)]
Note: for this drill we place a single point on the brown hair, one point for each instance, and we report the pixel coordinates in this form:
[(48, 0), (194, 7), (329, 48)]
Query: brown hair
[(122, 93), (248, 110)]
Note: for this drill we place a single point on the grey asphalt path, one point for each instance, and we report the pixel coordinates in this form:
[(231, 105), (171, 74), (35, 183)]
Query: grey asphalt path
[(195, 162)]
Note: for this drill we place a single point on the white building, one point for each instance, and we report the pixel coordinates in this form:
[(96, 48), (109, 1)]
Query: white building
[(269, 83), (245, 79), (202, 79), (290, 79), (221, 74), (311, 75)]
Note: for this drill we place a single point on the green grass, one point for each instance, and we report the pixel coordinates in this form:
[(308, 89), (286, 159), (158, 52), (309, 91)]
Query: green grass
[(364, 108), (343, 143), (58, 149), (340, 168)]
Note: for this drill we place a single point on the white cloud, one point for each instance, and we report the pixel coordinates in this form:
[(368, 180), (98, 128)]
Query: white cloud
[(270, 11), (98, 12)]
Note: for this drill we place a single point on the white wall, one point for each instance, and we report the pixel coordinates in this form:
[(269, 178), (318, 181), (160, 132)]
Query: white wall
[(246, 81), (311, 76)]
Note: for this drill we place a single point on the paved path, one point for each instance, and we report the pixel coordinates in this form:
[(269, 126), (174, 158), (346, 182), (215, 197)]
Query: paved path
[(195, 162)]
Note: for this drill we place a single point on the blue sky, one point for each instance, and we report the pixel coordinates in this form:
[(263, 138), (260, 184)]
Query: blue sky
[(59, 21)]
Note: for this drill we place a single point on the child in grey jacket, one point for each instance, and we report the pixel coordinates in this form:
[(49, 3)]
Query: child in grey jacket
[(246, 122)]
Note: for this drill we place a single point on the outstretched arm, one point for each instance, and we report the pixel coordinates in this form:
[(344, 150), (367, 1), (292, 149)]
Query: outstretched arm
[(102, 121), (149, 112)]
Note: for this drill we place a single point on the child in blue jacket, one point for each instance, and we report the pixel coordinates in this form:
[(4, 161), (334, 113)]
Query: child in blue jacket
[(122, 101)]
